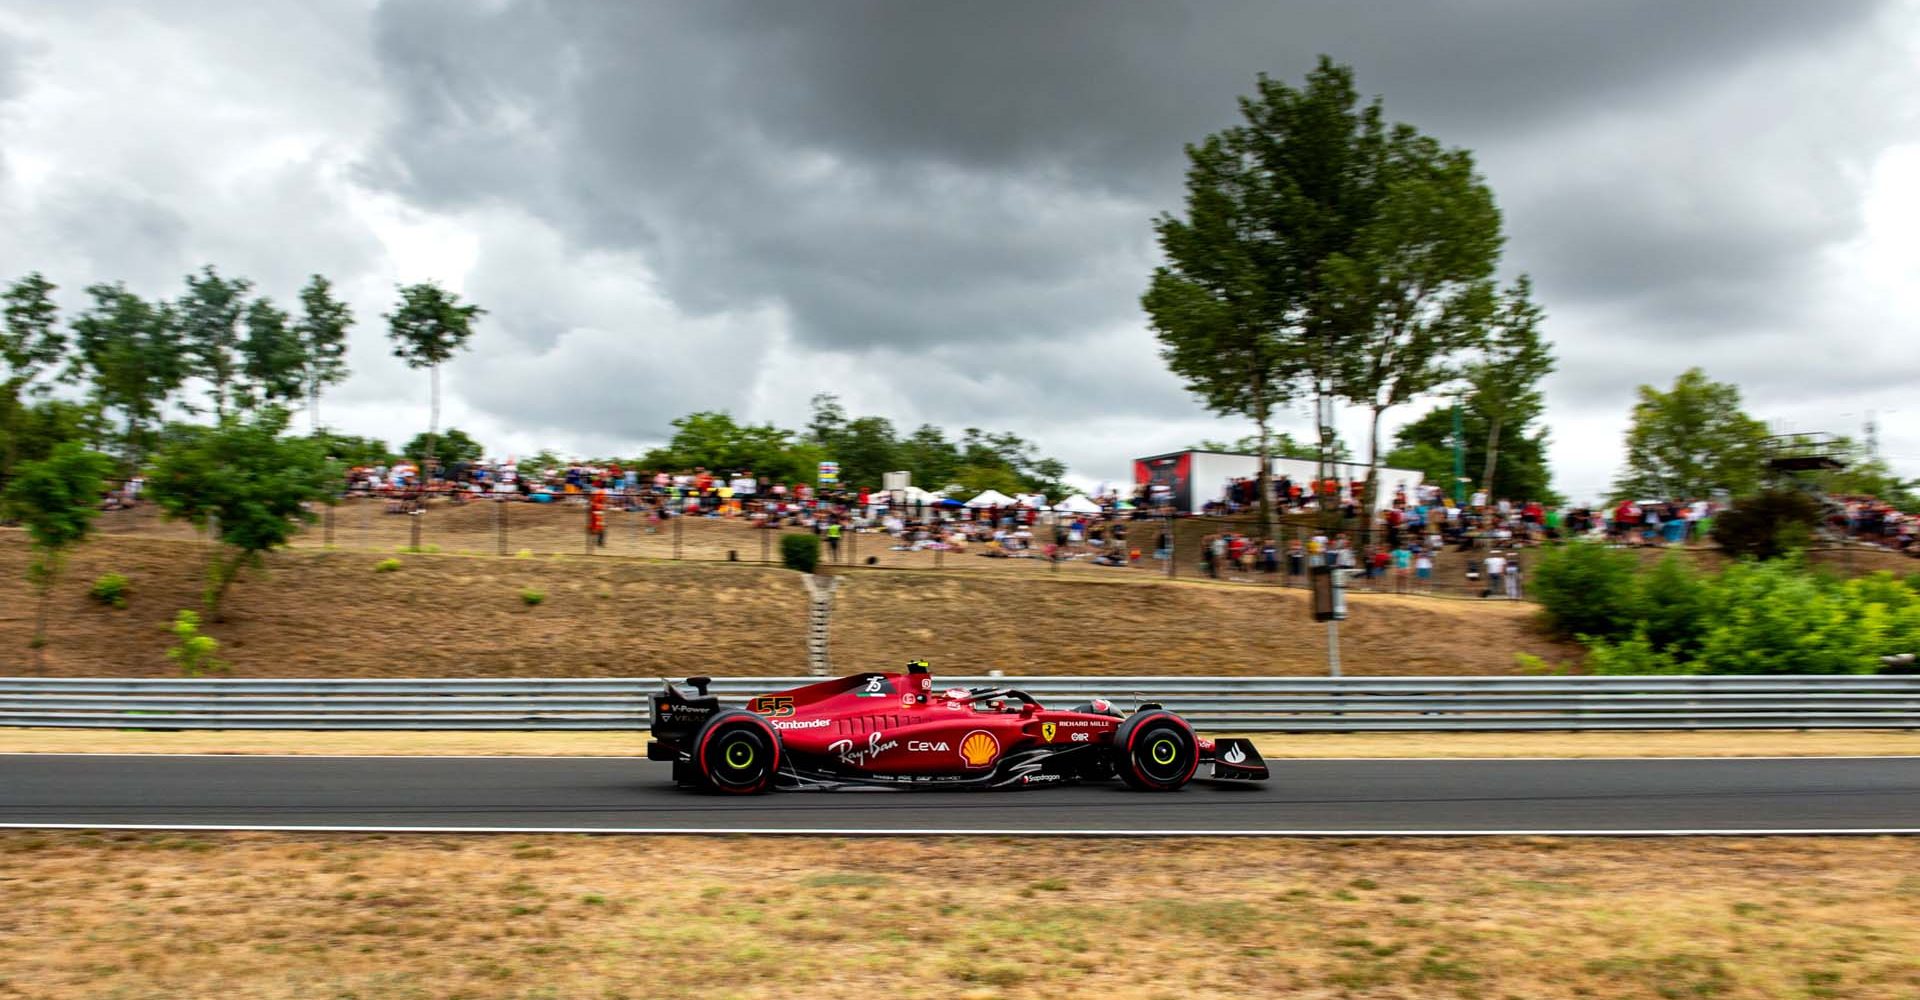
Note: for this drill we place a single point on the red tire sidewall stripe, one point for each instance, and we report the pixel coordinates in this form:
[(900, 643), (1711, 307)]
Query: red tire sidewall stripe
[(1191, 741), (773, 740)]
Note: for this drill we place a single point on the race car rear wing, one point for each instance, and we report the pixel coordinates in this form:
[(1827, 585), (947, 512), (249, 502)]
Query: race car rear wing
[(677, 717)]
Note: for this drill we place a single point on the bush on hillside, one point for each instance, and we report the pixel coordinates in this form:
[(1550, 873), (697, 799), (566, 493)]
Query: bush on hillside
[(1767, 525), (800, 552), (1586, 589), (110, 589), (1670, 605), (1774, 617)]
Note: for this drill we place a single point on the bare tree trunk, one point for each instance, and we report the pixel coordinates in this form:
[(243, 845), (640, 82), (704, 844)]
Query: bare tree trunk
[(313, 408), (40, 629), (1493, 454), (433, 432), (1372, 492), (1265, 481)]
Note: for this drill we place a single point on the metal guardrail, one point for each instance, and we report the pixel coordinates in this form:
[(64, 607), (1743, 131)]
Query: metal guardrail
[(1218, 704)]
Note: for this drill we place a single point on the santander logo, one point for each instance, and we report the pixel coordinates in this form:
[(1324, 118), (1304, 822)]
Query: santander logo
[(979, 748)]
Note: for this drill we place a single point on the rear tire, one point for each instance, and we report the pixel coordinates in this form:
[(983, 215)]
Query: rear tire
[(1156, 751), (737, 753)]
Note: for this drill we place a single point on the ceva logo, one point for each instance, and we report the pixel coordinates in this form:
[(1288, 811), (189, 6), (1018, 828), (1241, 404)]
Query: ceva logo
[(979, 748)]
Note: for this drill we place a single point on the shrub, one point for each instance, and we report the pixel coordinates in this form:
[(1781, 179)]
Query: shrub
[(1670, 602), (1586, 589), (1767, 525), (800, 552), (193, 651), (110, 589), (387, 566), (531, 597)]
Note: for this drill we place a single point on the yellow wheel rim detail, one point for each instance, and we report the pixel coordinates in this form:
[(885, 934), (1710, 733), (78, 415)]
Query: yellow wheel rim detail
[(1163, 751), (739, 755)]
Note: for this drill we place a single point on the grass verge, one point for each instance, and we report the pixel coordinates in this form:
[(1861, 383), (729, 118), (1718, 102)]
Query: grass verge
[(1766, 743), (276, 917)]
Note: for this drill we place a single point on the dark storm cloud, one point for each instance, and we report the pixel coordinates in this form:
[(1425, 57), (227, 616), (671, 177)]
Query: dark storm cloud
[(900, 173)]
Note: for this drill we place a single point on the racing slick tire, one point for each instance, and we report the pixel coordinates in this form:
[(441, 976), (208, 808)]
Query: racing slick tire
[(737, 753), (1156, 751)]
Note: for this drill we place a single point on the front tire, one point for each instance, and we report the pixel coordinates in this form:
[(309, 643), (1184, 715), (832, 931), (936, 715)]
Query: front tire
[(1156, 751), (737, 753)]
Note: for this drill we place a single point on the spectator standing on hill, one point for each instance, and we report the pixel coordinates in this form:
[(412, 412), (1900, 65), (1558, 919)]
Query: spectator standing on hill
[(1496, 569), (1513, 577), (1423, 570)]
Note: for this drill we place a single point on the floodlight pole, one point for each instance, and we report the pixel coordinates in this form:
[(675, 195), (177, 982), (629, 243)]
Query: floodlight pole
[(1459, 456), (1333, 647)]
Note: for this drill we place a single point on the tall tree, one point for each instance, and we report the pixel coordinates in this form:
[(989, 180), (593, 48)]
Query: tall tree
[(258, 485), (929, 457), (1691, 440), (31, 345), (1426, 445), (1245, 307), (128, 349), (1505, 381), (454, 445), (209, 323), (56, 498), (1415, 284), (322, 330), (271, 357), (427, 328)]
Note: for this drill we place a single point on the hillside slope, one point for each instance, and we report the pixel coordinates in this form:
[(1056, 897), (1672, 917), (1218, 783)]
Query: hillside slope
[(329, 614)]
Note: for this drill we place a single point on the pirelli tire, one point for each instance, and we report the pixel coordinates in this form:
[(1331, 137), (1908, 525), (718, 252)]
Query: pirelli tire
[(1156, 751), (737, 753)]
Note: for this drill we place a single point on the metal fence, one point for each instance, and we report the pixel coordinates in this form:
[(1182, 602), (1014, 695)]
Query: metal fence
[(1217, 704)]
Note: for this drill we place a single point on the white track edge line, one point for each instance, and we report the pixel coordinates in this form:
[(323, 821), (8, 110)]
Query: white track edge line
[(584, 757), (950, 832)]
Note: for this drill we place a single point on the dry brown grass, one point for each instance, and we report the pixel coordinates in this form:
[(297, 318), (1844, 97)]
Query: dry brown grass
[(329, 614), (1871, 743), (279, 917)]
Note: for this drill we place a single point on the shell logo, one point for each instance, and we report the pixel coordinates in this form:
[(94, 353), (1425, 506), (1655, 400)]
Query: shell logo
[(979, 748)]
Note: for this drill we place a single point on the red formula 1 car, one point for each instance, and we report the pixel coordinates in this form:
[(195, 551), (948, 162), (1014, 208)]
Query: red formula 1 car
[(894, 730)]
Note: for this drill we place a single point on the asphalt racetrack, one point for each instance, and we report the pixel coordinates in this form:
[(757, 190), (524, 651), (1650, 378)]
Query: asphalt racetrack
[(1305, 797)]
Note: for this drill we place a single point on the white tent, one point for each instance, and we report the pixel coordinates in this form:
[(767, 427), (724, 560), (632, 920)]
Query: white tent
[(1078, 504), (1038, 501), (914, 494), (991, 498)]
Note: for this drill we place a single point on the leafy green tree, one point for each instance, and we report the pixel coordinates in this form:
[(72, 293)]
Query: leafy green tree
[(1768, 524), (41, 426), (128, 350), (1690, 441), (715, 441), (208, 317), (348, 449), (271, 357), (55, 499), (828, 420), (1505, 382), (454, 446), (256, 485), (1282, 445), (427, 328), (1416, 282), (929, 457), (1671, 605), (1426, 444), (867, 449), (31, 346), (1322, 254), (322, 331)]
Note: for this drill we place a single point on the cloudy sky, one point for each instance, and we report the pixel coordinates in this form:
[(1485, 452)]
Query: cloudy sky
[(941, 211)]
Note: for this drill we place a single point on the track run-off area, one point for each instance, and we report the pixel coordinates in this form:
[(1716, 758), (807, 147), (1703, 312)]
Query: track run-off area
[(1346, 797)]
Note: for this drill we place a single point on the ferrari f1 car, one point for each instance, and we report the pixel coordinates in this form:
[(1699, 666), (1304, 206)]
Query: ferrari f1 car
[(894, 730)]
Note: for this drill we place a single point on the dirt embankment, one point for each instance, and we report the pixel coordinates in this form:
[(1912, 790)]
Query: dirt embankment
[(330, 614), (1145, 626)]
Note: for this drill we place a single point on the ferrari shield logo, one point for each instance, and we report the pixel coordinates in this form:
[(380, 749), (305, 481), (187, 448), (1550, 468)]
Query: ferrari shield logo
[(1046, 731)]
